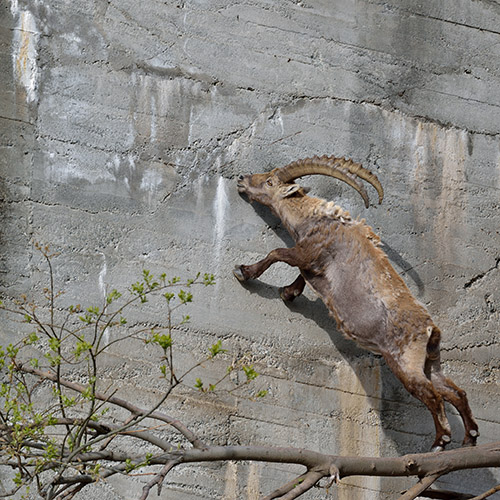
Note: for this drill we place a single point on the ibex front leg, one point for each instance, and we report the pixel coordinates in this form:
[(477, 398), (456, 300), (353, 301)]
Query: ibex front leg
[(291, 256), (290, 292)]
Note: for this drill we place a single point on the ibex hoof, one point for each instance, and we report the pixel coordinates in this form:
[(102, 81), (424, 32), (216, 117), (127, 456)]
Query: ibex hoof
[(471, 438), (437, 448), (441, 443), (237, 271), (286, 296)]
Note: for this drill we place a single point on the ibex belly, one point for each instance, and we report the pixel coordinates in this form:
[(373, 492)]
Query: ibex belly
[(360, 314)]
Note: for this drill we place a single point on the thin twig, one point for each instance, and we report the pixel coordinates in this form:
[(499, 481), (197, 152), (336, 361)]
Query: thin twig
[(422, 485), (112, 430), (445, 495), (283, 490), (68, 495), (158, 479), (310, 479), (487, 494)]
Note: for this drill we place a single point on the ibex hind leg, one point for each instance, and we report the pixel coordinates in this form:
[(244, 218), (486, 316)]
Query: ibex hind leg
[(458, 398), (419, 386), (290, 292), (290, 256)]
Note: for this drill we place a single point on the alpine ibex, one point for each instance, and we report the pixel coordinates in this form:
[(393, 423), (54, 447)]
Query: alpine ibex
[(341, 260)]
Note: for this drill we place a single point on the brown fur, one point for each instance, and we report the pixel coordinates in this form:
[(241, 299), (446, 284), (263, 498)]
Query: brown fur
[(341, 260)]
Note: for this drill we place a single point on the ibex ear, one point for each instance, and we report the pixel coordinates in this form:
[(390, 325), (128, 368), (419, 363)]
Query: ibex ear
[(288, 190)]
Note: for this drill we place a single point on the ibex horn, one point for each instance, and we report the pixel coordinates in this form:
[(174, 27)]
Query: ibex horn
[(340, 168)]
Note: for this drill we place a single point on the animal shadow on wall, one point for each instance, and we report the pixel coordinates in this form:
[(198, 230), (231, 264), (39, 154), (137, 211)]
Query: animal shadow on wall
[(342, 261)]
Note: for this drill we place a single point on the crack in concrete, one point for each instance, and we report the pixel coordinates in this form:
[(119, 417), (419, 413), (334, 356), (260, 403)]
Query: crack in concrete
[(17, 120), (449, 21), (482, 275)]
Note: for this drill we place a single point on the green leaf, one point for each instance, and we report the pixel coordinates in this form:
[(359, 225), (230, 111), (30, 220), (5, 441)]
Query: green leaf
[(12, 351), (208, 279), (81, 346), (86, 319), (185, 297), (54, 344), (137, 288), (53, 360), (31, 338), (163, 340), (199, 384), (18, 479), (88, 393), (51, 420), (94, 310), (250, 372), (148, 279), (129, 466), (216, 349), (114, 295)]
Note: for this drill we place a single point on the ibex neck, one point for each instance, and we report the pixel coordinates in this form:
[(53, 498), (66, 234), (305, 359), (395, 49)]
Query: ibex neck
[(297, 213)]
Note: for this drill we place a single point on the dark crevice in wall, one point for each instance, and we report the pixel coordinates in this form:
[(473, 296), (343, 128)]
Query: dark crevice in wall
[(480, 276)]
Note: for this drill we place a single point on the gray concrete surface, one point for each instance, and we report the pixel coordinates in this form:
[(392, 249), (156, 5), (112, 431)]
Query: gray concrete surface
[(123, 126)]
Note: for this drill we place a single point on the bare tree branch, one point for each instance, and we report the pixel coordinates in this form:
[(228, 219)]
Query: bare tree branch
[(135, 410), (423, 464)]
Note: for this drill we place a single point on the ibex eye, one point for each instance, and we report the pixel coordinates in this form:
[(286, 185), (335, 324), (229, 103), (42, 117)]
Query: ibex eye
[(269, 182)]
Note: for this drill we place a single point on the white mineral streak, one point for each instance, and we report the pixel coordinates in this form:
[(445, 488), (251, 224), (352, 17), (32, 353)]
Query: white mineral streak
[(70, 171), (220, 208), (221, 204), (200, 195), (102, 277), (14, 8), (150, 182), (25, 52), (153, 117)]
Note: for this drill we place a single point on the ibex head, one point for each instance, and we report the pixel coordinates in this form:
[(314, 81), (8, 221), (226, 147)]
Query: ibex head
[(278, 184)]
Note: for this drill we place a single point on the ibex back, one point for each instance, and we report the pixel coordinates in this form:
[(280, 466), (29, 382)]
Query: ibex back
[(341, 260)]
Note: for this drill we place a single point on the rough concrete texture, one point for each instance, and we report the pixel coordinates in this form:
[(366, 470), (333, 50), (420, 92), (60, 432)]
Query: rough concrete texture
[(123, 127)]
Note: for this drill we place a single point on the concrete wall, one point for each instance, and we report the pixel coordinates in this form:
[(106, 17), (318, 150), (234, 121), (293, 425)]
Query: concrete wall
[(123, 127)]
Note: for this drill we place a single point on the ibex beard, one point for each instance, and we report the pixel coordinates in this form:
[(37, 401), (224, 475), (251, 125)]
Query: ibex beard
[(341, 260)]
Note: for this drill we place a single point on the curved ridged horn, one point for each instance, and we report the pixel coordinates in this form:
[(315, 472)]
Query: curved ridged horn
[(340, 168)]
